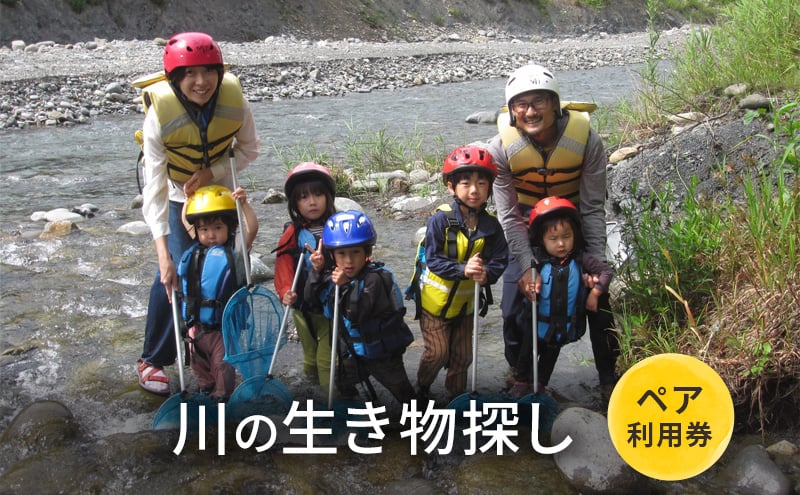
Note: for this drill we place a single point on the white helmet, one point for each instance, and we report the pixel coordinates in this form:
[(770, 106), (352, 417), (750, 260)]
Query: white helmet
[(529, 78)]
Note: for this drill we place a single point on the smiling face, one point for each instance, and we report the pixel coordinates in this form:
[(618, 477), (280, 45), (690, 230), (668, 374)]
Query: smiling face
[(472, 189), (199, 84), (350, 259), (535, 114)]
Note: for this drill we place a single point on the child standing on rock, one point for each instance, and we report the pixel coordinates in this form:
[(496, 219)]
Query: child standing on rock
[(560, 260), (463, 246), (310, 191), (211, 270)]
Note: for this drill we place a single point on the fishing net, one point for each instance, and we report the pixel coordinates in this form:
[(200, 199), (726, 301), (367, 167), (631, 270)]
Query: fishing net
[(259, 395), (168, 416), (250, 325)]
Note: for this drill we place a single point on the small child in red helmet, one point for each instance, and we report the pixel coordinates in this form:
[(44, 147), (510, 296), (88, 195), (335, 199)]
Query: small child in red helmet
[(563, 296), (464, 245)]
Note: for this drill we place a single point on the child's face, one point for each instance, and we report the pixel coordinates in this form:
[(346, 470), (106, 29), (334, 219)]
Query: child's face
[(559, 240), (312, 206), (199, 84), (350, 260), (214, 233), (472, 190)]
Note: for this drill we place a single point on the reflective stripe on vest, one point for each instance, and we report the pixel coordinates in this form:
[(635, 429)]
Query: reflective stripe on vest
[(533, 178), (450, 298), (187, 151)]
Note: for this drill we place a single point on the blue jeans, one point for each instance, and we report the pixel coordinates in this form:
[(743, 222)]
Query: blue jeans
[(159, 337)]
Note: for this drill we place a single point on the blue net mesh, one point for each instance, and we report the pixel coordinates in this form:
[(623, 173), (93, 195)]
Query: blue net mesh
[(168, 416), (259, 395), (250, 325)]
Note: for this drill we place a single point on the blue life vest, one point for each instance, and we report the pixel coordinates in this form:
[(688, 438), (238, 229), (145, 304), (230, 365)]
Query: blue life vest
[(562, 303), (376, 338), (208, 279)]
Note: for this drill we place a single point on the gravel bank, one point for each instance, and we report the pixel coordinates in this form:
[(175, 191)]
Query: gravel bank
[(48, 84)]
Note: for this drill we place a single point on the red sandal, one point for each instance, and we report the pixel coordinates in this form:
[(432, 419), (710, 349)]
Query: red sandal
[(152, 378)]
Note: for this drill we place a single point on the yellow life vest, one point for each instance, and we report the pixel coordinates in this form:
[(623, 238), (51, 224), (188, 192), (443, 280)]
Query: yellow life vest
[(450, 298), (187, 151), (532, 176)]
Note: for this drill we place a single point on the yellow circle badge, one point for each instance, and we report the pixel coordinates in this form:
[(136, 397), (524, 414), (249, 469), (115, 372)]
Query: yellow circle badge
[(670, 417)]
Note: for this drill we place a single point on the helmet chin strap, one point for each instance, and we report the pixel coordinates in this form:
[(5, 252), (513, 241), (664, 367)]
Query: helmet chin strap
[(471, 212)]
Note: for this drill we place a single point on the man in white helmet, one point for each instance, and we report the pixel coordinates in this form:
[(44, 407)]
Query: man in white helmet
[(543, 150)]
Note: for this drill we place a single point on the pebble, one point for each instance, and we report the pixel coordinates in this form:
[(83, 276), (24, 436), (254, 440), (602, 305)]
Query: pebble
[(49, 84)]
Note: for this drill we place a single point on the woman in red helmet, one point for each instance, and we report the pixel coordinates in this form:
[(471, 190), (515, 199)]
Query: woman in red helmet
[(193, 117), (463, 246)]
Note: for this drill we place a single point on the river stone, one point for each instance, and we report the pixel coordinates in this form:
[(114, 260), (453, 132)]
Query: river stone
[(137, 227), (345, 204), (62, 214), (41, 425), (58, 228), (483, 117), (591, 463), (753, 472), (754, 102), (623, 154)]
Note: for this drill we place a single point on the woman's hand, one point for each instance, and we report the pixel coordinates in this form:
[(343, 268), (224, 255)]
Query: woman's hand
[(202, 177)]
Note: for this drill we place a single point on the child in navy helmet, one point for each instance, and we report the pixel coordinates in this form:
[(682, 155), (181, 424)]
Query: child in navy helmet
[(372, 332), (563, 298), (211, 270)]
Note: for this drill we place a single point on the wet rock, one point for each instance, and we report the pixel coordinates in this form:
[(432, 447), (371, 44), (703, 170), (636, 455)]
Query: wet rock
[(591, 464), (59, 228), (40, 426), (753, 472), (62, 215)]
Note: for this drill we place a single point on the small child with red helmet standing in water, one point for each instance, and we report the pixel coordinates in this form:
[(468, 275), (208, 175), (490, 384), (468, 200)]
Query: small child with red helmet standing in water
[(559, 253), (310, 191), (195, 114), (463, 245)]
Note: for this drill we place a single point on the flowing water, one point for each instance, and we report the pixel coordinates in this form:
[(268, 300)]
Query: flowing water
[(73, 308)]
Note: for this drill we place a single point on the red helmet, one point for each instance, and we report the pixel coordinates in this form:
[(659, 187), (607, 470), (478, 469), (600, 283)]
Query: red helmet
[(308, 171), (467, 158), (548, 206), (190, 49)]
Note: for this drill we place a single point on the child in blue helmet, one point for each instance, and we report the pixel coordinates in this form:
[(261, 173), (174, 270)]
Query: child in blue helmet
[(563, 299), (372, 333)]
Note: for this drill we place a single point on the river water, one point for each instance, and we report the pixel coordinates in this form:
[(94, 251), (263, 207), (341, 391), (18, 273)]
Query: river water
[(73, 307)]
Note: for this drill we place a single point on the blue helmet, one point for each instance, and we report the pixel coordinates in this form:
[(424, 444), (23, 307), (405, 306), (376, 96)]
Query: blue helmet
[(348, 228)]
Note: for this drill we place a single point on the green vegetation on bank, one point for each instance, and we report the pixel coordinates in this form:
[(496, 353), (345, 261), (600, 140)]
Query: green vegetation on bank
[(714, 277), (718, 279)]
